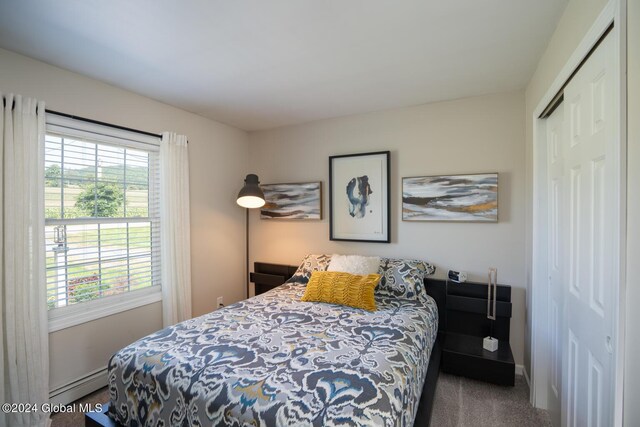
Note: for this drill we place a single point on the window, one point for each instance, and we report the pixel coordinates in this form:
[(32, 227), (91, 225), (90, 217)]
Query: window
[(102, 221)]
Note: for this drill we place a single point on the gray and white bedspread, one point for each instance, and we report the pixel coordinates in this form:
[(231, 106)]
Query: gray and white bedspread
[(273, 360)]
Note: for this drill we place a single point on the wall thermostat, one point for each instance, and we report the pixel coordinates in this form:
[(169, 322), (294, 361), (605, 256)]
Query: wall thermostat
[(457, 276)]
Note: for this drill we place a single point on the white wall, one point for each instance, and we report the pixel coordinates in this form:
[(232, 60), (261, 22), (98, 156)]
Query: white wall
[(632, 367), (481, 134), (576, 20), (217, 155)]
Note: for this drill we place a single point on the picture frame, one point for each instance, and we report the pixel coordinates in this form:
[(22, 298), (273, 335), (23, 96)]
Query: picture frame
[(292, 201), (359, 197), (451, 198)]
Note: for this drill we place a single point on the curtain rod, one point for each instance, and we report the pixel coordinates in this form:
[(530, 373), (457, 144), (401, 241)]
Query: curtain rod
[(95, 122)]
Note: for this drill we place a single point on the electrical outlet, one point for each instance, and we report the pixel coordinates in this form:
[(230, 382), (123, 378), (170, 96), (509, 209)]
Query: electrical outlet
[(220, 302)]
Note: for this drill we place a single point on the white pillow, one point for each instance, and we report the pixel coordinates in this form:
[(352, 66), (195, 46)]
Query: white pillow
[(355, 264)]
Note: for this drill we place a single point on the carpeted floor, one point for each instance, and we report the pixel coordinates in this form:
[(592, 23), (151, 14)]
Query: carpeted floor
[(76, 419), (460, 402)]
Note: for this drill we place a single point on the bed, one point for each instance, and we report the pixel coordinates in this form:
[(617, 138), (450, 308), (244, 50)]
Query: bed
[(274, 360)]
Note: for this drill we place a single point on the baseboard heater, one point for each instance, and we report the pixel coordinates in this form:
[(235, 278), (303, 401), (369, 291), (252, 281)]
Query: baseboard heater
[(79, 387)]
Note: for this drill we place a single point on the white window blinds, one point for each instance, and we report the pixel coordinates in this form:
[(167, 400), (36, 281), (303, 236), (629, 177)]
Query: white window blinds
[(102, 212)]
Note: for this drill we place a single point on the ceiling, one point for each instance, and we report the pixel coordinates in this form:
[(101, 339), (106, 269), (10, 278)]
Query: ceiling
[(258, 64)]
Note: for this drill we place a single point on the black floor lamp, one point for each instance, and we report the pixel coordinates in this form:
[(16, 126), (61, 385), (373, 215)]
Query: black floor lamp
[(250, 197)]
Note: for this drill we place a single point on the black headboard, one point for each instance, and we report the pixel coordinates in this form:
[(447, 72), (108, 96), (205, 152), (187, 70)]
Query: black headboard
[(267, 276)]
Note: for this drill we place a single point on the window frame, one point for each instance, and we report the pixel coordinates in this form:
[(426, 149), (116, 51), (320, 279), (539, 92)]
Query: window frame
[(87, 311)]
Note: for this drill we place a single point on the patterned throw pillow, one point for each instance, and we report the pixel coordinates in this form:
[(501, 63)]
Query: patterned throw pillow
[(310, 263), (340, 288), (403, 278)]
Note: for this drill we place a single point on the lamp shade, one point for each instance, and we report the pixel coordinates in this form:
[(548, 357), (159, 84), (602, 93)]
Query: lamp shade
[(251, 195)]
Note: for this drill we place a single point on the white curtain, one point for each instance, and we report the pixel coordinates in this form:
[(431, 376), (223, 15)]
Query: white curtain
[(23, 323), (175, 229)]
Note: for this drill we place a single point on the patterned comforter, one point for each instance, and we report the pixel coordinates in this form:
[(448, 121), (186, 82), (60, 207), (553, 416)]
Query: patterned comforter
[(273, 360)]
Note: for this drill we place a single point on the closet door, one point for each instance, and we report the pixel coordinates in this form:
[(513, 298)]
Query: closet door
[(591, 215), (557, 253)]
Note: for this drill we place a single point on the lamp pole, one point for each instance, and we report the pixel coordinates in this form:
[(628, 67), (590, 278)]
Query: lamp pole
[(246, 269), (250, 197)]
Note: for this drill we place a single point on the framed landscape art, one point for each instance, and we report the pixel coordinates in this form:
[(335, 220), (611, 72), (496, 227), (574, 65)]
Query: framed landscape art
[(359, 201), (471, 198), (292, 201)]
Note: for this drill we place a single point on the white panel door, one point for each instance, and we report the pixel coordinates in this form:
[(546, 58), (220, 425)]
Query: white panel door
[(557, 240), (589, 226)]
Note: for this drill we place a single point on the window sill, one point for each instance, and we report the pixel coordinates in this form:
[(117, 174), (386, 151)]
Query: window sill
[(77, 314)]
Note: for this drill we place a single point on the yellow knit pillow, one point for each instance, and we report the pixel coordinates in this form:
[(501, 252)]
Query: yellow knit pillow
[(342, 288)]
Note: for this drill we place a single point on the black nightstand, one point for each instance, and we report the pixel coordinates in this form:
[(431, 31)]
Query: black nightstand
[(467, 325)]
